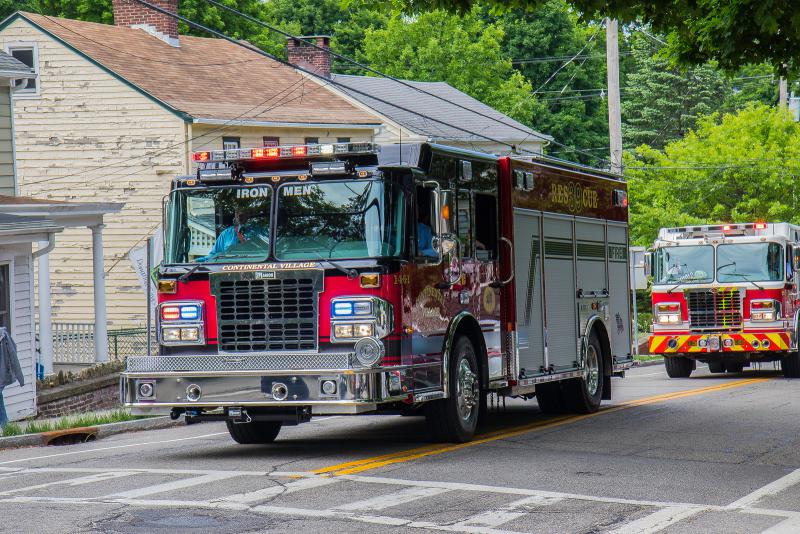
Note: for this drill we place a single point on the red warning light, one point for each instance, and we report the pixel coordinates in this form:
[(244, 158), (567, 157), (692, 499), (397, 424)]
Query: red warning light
[(761, 226), (257, 153), (272, 152), (726, 228), (299, 151), (201, 156)]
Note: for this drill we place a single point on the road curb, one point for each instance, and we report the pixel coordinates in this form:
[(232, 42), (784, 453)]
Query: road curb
[(101, 431), (650, 363)]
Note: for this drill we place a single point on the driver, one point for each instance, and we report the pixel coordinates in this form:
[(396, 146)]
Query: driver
[(242, 231)]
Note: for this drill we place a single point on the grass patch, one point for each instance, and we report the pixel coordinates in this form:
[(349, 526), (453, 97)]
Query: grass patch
[(72, 421), (648, 358), (11, 429)]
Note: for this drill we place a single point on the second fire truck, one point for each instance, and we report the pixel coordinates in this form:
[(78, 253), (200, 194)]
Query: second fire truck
[(320, 279), (726, 295)]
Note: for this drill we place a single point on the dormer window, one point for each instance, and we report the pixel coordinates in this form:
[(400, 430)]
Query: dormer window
[(26, 53)]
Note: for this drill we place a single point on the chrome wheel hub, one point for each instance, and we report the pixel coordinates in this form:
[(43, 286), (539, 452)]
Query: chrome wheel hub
[(591, 371), (466, 390)]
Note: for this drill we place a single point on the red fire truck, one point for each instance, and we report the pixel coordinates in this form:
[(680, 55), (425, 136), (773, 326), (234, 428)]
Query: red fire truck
[(727, 295), (349, 278)]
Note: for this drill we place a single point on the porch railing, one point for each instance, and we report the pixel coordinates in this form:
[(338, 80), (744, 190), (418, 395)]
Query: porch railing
[(73, 343)]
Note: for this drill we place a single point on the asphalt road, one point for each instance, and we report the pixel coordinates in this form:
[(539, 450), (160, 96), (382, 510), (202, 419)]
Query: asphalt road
[(712, 453)]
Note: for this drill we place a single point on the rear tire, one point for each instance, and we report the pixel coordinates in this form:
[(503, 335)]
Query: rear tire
[(550, 397), (586, 393), (791, 365), (716, 366), (254, 431), (678, 366), (455, 418)]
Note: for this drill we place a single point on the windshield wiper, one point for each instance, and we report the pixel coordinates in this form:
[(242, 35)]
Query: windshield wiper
[(351, 273), (187, 274), (746, 278)]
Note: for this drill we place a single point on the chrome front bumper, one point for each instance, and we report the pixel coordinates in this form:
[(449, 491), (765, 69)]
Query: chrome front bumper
[(249, 380)]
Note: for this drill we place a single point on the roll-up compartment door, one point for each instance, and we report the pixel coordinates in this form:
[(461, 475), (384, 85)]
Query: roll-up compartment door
[(559, 284), (591, 255), (620, 300), (528, 291)]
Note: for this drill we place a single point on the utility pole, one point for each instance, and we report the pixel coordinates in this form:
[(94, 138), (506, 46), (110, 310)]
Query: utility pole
[(614, 118), (783, 98)]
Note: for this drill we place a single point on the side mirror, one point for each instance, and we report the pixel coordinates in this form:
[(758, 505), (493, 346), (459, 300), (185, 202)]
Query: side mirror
[(447, 244), (648, 264)]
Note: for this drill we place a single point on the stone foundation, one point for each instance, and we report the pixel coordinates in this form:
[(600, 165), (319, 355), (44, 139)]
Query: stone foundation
[(79, 397)]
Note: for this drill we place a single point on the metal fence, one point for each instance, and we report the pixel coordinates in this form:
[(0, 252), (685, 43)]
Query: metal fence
[(74, 343)]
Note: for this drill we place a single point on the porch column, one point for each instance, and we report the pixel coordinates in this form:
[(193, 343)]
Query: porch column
[(45, 312), (98, 270)]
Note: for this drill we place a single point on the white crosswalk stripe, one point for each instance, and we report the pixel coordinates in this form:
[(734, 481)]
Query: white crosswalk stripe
[(274, 491), (659, 520), (393, 499), (79, 481), (397, 507), (171, 486)]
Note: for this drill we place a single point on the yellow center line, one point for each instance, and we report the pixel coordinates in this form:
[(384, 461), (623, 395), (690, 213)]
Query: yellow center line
[(358, 466)]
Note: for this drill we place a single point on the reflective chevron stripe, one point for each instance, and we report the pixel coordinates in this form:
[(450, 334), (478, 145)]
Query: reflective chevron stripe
[(776, 341)]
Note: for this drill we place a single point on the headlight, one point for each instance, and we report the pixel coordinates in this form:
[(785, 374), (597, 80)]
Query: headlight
[(181, 323), (764, 310), (668, 313), (354, 318)]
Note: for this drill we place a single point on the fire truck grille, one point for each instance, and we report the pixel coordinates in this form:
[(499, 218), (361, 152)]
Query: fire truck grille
[(264, 314), (719, 310)]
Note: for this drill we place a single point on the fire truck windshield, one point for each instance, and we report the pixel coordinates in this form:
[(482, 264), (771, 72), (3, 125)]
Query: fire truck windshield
[(342, 219), (750, 262), (218, 225), (684, 265)]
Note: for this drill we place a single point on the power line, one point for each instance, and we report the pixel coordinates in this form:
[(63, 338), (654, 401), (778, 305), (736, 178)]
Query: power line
[(224, 126), (554, 59), (346, 88), (570, 60)]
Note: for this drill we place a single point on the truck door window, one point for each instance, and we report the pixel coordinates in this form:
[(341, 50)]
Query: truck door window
[(464, 222), (485, 226), (424, 223)]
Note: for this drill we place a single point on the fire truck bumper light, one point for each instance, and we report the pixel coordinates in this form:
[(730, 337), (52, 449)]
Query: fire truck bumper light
[(369, 351), (357, 388)]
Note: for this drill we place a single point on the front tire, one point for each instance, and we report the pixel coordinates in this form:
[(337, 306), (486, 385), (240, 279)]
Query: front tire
[(791, 365), (586, 393), (678, 366), (254, 432), (455, 418)]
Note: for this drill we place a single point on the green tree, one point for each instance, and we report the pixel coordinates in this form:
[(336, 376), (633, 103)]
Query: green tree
[(734, 168), (461, 50), (735, 33), (661, 103), (570, 102)]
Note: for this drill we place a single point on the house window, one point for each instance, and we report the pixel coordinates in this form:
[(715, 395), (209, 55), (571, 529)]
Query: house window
[(27, 54), (312, 140), (231, 143), (342, 139), (272, 141), (5, 297)]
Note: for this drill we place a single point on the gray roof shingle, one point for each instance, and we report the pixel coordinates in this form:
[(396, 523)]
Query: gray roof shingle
[(500, 127), (10, 64)]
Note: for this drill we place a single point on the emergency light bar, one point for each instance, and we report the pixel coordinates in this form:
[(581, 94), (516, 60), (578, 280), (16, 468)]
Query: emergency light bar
[(285, 152), (717, 230)]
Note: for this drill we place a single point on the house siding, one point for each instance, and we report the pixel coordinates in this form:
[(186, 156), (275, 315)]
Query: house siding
[(6, 144), (91, 137), (20, 401)]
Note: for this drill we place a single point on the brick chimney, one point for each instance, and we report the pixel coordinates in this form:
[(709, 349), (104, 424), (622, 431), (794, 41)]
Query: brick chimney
[(132, 14), (306, 56)]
